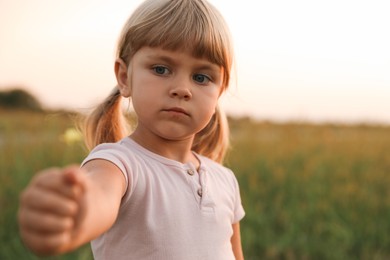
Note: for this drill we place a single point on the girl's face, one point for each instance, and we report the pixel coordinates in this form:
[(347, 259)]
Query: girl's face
[(174, 94)]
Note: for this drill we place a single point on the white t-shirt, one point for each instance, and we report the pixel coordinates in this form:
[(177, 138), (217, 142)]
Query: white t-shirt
[(170, 210)]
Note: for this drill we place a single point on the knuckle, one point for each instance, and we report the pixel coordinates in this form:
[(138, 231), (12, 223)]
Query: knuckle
[(68, 223), (72, 208)]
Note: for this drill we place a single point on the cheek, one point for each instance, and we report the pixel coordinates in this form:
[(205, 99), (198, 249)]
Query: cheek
[(207, 105), (143, 92), (212, 97), (142, 102)]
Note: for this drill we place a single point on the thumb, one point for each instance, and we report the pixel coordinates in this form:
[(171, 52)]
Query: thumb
[(74, 177)]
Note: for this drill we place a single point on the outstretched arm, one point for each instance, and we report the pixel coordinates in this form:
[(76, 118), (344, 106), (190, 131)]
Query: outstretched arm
[(62, 209)]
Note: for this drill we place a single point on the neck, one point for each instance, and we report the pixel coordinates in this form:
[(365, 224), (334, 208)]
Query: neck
[(178, 150)]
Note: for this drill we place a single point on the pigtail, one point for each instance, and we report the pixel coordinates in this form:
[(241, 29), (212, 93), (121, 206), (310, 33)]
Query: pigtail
[(213, 140), (106, 124)]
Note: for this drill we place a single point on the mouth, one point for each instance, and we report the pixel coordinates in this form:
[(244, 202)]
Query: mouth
[(176, 110)]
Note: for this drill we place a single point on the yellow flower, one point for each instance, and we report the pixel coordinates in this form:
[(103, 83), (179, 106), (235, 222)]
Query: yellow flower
[(71, 136)]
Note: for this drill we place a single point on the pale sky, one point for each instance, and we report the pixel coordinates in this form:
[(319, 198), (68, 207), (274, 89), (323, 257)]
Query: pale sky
[(296, 60)]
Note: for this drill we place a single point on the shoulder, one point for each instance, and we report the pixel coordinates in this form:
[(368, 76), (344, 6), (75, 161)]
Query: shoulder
[(217, 169), (118, 147), (209, 163), (124, 155), (121, 154), (122, 148)]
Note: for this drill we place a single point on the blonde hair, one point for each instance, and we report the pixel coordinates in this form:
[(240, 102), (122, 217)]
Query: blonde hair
[(193, 25)]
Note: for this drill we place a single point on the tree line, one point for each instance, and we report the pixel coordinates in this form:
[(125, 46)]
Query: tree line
[(19, 98)]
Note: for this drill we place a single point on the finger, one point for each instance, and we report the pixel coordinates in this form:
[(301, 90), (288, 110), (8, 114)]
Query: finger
[(46, 244), (46, 200), (80, 181), (42, 222), (49, 179), (74, 176), (71, 174), (55, 179)]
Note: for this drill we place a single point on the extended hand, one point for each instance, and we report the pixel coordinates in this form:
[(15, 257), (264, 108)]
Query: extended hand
[(51, 210)]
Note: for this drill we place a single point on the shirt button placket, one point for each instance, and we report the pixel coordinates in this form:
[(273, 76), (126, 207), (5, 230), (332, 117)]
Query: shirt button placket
[(190, 172), (200, 192)]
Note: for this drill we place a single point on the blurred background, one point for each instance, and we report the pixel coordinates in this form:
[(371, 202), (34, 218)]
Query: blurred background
[(296, 60), (308, 110)]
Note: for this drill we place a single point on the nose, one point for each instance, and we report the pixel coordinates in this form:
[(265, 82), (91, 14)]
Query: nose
[(181, 90)]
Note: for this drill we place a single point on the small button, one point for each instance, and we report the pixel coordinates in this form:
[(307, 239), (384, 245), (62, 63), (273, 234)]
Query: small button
[(190, 172), (200, 192)]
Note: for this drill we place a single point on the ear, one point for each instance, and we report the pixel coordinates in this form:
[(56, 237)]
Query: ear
[(122, 77)]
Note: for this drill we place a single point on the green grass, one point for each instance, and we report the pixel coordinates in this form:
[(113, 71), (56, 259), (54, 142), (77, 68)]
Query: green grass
[(30, 142), (313, 192), (309, 191)]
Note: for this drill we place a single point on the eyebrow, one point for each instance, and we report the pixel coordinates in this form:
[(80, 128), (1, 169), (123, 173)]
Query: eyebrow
[(168, 59), (162, 57)]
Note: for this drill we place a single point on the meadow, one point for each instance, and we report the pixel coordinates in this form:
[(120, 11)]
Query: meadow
[(309, 191)]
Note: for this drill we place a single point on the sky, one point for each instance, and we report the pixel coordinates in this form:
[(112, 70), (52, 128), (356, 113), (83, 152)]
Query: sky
[(301, 60)]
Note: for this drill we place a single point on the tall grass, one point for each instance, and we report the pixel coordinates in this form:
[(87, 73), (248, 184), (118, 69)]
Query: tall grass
[(313, 192), (309, 191)]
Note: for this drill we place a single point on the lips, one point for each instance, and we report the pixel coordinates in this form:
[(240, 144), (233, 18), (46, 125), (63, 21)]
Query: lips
[(178, 110)]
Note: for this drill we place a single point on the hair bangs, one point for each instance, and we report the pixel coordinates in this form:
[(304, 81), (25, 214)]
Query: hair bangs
[(182, 25)]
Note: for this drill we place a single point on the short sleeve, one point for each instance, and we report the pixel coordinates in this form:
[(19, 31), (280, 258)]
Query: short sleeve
[(114, 153), (239, 212)]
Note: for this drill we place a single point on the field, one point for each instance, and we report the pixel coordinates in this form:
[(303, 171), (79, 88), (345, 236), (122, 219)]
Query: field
[(309, 191)]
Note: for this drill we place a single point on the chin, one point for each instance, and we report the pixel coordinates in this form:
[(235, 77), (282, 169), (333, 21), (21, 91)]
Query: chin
[(176, 136)]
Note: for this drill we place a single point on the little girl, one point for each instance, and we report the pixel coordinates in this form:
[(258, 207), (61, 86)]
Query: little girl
[(160, 193)]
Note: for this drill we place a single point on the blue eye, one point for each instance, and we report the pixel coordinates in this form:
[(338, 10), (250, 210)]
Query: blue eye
[(161, 70), (200, 78)]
